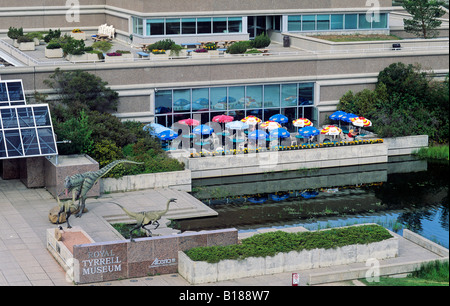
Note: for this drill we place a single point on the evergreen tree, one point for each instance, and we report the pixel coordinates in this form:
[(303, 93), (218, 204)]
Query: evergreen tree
[(425, 17)]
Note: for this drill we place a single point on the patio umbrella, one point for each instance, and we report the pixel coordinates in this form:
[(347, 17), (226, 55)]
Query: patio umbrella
[(257, 135), (203, 130), (224, 100), (302, 122), (331, 130), (181, 102), (202, 101), (222, 119), (190, 122), (280, 118), (361, 122), (337, 115), (279, 133), (308, 131), (270, 125), (251, 120), (154, 128), (348, 118), (236, 125), (167, 134)]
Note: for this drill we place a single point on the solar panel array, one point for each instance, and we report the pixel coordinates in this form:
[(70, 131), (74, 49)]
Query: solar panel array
[(25, 130)]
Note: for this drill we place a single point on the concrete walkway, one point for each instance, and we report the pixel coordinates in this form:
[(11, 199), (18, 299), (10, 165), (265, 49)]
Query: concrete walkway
[(24, 259)]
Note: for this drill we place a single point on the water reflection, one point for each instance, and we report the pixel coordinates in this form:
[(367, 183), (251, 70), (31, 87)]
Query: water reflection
[(404, 193)]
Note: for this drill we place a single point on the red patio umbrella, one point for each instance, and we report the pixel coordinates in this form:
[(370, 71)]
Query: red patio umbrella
[(222, 118), (190, 122)]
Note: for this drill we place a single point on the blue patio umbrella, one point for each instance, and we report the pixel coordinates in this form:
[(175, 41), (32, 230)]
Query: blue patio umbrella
[(257, 135), (348, 118), (181, 102), (236, 125), (203, 130), (280, 118), (224, 99), (154, 128), (308, 131), (202, 101), (337, 115), (167, 134), (279, 133)]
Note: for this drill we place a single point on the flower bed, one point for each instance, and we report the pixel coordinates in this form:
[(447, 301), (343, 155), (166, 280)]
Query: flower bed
[(279, 251), (287, 148)]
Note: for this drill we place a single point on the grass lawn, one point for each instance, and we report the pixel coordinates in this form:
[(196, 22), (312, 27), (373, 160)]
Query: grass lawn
[(407, 281), (357, 37)]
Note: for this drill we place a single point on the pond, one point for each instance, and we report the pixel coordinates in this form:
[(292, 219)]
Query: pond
[(403, 193)]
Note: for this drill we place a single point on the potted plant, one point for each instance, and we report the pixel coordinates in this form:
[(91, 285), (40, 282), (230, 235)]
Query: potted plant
[(15, 33), (75, 50), (212, 49), (158, 54), (78, 34), (201, 52), (26, 43), (53, 50)]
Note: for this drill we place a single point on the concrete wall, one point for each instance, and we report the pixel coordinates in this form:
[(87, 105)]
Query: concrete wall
[(405, 145), (197, 272), (180, 180), (240, 164)]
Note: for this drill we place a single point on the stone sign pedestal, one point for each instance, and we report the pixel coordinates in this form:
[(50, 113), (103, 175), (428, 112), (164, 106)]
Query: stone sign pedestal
[(58, 167)]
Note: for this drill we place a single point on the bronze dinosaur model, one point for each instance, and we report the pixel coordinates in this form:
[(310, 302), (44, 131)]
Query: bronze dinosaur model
[(83, 182), (145, 218)]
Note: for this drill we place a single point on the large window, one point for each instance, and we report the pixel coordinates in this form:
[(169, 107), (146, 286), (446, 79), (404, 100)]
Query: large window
[(138, 26), (351, 21), (204, 25), (173, 26), (323, 22), (188, 26), (219, 25), (292, 99), (308, 22), (380, 21), (235, 24), (294, 23), (155, 26), (337, 21)]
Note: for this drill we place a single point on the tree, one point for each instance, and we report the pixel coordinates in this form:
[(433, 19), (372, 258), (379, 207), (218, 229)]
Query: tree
[(425, 14), (82, 90)]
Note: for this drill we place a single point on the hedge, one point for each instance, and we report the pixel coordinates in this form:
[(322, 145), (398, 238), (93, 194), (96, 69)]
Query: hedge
[(269, 244)]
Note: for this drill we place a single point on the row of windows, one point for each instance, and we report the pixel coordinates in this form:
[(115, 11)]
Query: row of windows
[(293, 99), (337, 22), (185, 26)]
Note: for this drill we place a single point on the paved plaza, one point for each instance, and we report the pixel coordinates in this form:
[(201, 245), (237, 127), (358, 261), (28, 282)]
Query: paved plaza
[(24, 259)]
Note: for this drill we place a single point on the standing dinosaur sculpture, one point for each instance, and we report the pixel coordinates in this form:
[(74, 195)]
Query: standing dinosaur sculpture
[(145, 218), (83, 182)]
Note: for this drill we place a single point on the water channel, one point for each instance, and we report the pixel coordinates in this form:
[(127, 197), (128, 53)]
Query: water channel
[(403, 193)]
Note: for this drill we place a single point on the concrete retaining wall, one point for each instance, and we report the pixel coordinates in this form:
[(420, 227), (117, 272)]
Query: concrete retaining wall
[(197, 272), (180, 180), (287, 160), (405, 145)]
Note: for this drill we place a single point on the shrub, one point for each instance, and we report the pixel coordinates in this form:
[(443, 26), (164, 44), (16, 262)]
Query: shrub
[(24, 39), (261, 41), (239, 47), (53, 45), (52, 34), (269, 244), (15, 33), (103, 46), (74, 47)]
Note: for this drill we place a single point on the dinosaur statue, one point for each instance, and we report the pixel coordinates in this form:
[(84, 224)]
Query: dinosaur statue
[(83, 182), (67, 207), (145, 218)]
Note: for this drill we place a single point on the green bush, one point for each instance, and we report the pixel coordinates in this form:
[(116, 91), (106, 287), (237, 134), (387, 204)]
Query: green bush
[(74, 47), (24, 39), (103, 46), (239, 47), (269, 244), (53, 45), (52, 34), (261, 41), (15, 33)]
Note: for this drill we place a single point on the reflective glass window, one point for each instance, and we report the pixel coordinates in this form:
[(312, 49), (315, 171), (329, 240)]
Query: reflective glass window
[(46, 140), (25, 116), (2, 145), (182, 100), (351, 21), (288, 95), (155, 27), (271, 95), (219, 25), (235, 24), (308, 22), (163, 101), (305, 94), (204, 26), (13, 143), (218, 98), (294, 23), (323, 22), (188, 26), (30, 142), (200, 99), (254, 97), (3, 94), (138, 26), (236, 97), (337, 22), (9, 118), (365, 21), (380, 21), (42, 116), (173, 26)]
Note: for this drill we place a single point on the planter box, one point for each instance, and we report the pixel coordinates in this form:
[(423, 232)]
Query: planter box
[(123, 57), (78, 36), (159, 56), (199, 54), (15, 43), (213, 52), (54, 53), (83, 58), (27, 46), (197, 272)]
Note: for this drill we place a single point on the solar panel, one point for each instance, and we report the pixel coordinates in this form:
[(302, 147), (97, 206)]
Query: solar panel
[(25, 130)]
